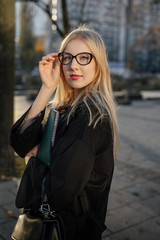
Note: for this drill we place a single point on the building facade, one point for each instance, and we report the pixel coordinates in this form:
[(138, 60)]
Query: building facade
[(130, 29)]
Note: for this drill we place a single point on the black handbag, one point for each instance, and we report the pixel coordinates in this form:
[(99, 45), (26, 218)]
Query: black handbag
[(47, 226), (44, 224)]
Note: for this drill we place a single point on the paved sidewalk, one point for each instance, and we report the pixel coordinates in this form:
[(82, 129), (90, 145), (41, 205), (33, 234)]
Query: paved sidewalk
[(8, 211), (134, 203)]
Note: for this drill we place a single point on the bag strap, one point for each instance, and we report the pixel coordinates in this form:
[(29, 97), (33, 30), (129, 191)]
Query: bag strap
[(44, 154), (48, 139)]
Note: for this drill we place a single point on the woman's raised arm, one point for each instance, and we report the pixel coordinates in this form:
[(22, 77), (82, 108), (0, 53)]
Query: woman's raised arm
[(49, 77)]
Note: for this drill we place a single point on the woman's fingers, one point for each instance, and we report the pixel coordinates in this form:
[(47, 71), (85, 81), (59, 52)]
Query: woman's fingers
[(49, 68), (44, 62), (50, 57), (31, 153)]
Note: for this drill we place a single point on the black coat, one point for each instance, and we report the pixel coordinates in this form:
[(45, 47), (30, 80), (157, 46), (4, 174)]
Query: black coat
[(78, 181)]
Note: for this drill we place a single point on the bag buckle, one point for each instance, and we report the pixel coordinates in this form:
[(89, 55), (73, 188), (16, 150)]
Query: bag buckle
[(53, 214), (45, 209)]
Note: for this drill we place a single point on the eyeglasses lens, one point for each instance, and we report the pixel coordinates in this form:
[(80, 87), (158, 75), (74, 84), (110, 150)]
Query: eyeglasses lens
[(65, 58), (83, 58)]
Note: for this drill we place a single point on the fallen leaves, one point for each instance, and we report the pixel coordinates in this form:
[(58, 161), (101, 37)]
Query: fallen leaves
[(124, 221), (153, 190), (118, 192), (139, 229), (121, 201), (10, 213)]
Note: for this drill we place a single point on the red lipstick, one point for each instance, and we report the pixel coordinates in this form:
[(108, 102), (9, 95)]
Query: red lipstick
[(75, 76)]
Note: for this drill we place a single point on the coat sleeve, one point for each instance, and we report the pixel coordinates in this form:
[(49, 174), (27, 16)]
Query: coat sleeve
[(81, 150), (23, 142)]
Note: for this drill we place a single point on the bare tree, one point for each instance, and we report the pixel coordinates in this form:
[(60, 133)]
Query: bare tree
[(45, 5), (142, 35), (28, 55), (7, 30)]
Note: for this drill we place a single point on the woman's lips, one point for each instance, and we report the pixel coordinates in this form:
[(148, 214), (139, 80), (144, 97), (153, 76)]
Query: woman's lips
[(75, 76)]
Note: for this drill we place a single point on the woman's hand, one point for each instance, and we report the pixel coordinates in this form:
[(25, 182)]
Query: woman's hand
[(32, 153), (50, 75), (49, 69)]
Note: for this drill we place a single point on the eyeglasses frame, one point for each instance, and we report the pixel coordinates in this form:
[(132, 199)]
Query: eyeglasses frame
[(75, 56)]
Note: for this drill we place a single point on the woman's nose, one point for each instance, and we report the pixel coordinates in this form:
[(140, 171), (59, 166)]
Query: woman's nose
[(74, 64)]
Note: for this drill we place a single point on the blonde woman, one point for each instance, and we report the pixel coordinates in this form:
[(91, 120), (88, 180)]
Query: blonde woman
[(80, 175)]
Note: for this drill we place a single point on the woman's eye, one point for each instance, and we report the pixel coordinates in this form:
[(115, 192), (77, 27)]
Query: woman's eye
[(83, 58), (66, 58)]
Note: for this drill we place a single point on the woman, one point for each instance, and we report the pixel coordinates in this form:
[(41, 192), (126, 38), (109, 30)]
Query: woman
[(79, 179)]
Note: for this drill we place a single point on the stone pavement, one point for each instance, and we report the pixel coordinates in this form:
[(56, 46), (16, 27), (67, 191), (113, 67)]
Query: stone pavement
[(134, 203)]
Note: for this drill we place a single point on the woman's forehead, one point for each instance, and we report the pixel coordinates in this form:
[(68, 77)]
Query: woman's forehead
[(77, 45)]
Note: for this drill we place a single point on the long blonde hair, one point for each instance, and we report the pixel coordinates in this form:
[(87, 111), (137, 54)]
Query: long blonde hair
[(100, 88)]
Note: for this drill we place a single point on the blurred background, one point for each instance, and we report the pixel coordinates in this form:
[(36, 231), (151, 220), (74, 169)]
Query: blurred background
[(30, 29)]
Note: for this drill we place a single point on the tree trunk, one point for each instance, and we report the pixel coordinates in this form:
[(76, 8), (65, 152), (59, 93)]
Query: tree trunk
[(7, 33), (65, 18)]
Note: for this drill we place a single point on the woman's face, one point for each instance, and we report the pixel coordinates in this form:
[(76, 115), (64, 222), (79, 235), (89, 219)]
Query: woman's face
[(78, 76)]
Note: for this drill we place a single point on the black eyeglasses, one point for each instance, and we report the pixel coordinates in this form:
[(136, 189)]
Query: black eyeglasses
[(83, 58)]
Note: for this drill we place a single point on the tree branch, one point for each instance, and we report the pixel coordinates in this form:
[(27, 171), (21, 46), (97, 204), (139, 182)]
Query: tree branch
[(45, 8), (82, 11)]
